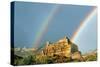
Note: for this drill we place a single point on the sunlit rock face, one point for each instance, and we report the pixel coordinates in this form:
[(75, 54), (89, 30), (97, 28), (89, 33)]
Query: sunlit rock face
[(62, 48)]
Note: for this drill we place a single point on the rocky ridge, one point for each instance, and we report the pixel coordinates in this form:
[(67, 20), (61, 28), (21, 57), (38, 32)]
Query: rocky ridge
[(62, 49)]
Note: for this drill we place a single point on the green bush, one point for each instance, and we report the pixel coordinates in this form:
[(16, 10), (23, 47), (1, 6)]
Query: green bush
[(25, 61), (91, 57)]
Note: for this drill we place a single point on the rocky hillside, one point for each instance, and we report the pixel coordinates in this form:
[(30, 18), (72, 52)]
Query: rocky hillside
[(61, 51)]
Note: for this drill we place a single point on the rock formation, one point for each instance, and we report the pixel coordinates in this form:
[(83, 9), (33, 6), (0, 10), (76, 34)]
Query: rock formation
[(61, 51), (63, 48)]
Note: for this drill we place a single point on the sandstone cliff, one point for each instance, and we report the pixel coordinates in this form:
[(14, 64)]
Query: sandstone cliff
[(62, 49)]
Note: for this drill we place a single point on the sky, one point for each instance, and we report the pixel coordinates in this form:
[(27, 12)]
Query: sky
[(36, 23), (87, 36)]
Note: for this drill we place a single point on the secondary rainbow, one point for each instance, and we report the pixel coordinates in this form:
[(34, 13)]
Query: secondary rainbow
[(44, 27)]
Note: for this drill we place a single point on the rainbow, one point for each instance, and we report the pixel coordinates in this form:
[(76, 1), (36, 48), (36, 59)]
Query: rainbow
[(83, 24), (44, 26), (46, 22)]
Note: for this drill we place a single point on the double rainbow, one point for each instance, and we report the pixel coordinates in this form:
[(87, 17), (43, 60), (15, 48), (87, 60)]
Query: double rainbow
[(53, 12), (83, 24)]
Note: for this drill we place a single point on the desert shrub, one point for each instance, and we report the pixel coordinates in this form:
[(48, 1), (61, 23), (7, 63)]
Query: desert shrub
[(31, 59), (26, 60), (41, 59), (91, 58), (19, 62)]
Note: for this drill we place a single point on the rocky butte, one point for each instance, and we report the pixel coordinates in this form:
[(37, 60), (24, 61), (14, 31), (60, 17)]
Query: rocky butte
[(62, 51)]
